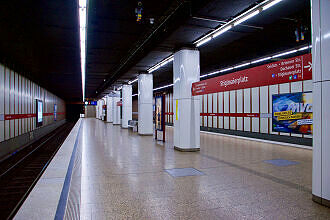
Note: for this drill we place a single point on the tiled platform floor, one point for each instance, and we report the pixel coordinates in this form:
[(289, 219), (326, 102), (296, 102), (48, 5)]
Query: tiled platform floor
[(123, 177)]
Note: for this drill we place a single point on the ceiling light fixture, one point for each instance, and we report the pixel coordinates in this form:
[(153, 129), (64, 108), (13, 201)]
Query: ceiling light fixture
[(261, 60), (161, 63), (221, 31), (133, 81), (163, 87), (205, 40), (285, 53), (227, 69), (236, 21), (244, 18), (270, 4), (242, 65), (83, 36)]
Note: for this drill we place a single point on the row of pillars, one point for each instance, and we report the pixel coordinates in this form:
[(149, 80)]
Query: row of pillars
[(186, 109), (186, 70)]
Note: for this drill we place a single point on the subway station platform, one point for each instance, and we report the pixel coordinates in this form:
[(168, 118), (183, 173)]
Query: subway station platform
[(117, 174)]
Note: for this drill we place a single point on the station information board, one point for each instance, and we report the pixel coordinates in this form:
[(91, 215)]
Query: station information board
[(288, 70)]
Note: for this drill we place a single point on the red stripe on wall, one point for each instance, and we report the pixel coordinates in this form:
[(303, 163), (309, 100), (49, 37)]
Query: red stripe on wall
[(4, 102), (259, 111), (14, 104), (9, 101), (229, 107), (256, 115), (20, 116), (243, 108)]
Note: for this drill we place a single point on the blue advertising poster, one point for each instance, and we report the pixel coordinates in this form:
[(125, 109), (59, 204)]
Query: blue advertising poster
[(55, 112), (293, 113)]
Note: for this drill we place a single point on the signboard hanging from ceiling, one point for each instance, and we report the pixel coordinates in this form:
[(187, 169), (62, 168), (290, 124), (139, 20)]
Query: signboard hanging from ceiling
[(289, 70)]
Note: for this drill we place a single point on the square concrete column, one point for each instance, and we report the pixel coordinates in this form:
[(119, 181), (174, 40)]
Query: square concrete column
[(116, 109), (321, 101), (145, 94), (127, 105), (109, 108), (186, 71)]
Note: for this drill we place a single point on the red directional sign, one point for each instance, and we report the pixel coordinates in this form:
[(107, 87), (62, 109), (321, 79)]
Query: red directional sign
[(289, 70)]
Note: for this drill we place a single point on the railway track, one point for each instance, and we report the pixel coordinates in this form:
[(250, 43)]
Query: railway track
[(20, 172)]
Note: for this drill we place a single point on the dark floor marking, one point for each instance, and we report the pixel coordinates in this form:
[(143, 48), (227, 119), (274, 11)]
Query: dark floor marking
[(181, 172), (281, 162)]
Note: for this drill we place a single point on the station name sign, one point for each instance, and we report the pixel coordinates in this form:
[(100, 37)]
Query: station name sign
[(289, 70)]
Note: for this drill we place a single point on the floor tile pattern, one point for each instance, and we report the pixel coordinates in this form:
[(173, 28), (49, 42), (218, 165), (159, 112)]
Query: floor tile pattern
[(123, 177)]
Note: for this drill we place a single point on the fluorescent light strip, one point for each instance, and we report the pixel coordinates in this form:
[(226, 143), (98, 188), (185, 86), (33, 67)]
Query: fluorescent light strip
[(241, 18), (260, 60), (246, 17), (236, 21), (221, 31), (255, 61), (227, 69), (134, 95), (270, 4), (285, 53), (304, 48), (241, 65), (160, 64), (203, 41), (133, 81), (83, 36), (163, 87)]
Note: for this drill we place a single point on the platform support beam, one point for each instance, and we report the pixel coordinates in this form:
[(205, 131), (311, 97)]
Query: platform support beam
[(186, 70), (145, 95), (116, 108), (109, 109), (127, 105), (321, 103)]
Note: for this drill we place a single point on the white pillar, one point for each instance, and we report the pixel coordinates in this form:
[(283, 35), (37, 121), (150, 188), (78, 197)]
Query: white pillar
[(109, 108), (97, 109), (321, 101), (145, 94), (101, 108), (186, 71), (127, 105), (116, 109), (98, 112)]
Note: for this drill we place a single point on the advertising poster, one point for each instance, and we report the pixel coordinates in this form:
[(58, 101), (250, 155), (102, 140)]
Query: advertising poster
[(293, 113), (55, 112), (39, 114), (159, 113)]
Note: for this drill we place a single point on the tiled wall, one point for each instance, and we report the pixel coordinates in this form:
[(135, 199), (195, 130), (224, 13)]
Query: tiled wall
[(18, 105), (244, 110)]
